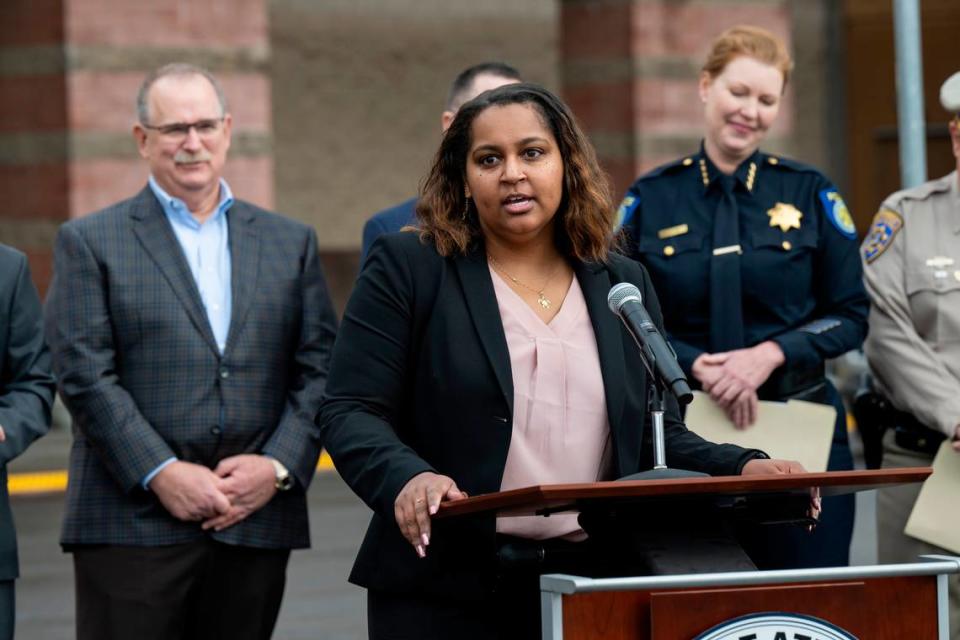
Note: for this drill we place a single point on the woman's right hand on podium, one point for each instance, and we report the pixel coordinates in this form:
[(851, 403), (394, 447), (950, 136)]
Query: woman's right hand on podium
[(419, 499), (765, 466)]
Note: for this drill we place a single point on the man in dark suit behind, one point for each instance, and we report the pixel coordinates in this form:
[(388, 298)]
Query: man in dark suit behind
[(26, 395), (190, 333), (468, 84)]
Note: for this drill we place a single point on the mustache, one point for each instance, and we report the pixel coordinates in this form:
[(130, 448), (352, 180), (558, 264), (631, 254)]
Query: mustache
[(186, 157)]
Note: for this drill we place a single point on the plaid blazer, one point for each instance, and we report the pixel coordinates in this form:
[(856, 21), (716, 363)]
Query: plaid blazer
[(140, 372), (26, 384)]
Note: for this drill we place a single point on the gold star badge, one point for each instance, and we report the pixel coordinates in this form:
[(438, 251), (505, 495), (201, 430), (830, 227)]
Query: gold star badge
[(785, 216)]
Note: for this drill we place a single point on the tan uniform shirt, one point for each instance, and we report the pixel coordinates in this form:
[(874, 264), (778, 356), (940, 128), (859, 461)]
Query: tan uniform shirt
[(911, 269)]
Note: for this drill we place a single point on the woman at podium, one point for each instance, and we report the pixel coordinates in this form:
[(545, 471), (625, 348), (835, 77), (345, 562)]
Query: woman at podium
[(755, 259), (477, 354)]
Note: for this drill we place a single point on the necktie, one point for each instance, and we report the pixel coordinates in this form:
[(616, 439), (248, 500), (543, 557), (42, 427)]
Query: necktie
[(726, 304)]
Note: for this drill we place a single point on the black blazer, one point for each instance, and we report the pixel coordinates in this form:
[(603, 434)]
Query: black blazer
[(420, 381), (26, 384), (140, 371)]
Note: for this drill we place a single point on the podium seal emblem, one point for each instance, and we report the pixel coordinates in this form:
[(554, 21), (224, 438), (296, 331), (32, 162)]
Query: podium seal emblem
[(776, 626)]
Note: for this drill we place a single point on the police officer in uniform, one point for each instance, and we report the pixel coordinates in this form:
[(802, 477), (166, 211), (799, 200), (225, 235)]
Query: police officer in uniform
[(754, 258), (911, 268)]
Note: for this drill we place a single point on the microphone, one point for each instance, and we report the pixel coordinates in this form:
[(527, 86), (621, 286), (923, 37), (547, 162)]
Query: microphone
[(624, 301)]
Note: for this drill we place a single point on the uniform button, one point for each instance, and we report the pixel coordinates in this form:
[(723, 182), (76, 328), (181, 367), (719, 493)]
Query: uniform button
[(772, 160), (669, 250), (687, 162), (224, 373), (216, 430), (786, 245)]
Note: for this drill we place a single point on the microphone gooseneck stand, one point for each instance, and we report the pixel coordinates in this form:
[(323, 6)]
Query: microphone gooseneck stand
[(668, 535)]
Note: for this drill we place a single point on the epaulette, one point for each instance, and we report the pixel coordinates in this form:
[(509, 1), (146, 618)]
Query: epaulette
[(686, 162), (788, 164), (631, 201), (920, 192)]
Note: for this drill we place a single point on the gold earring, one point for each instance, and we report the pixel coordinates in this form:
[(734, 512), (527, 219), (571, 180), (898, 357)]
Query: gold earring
[(466, 202)]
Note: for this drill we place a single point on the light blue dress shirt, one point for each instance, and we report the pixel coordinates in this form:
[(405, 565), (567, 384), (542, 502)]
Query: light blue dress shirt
[(207, 250)]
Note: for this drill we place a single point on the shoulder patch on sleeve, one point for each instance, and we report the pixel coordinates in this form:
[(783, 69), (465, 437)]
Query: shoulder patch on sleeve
[(837, 213), (880, 236), (626, 210)]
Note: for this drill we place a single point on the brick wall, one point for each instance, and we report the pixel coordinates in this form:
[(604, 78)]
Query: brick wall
[(337, 103), (629, 69), (358, 89), (69, 72)]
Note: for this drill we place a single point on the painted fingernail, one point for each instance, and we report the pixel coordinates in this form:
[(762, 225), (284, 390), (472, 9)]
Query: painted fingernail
[(433, 509), (420, 551), (425, 538)]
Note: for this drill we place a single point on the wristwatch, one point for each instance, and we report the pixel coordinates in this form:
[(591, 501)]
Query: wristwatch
[(284, 481)]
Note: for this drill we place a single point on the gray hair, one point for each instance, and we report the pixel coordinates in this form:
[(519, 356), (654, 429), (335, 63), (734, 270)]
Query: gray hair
[(174, 69)]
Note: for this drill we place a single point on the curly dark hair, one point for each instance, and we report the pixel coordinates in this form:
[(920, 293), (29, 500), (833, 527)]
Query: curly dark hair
[(585, 215)]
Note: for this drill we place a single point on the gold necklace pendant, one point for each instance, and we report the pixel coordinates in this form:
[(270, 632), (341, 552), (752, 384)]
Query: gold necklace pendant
[(542, 300)]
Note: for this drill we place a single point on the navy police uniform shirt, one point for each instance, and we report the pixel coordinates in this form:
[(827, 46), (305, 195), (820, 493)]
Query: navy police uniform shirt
[(800, 269)]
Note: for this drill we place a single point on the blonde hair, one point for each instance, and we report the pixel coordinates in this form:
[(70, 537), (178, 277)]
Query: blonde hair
[(750, 41)]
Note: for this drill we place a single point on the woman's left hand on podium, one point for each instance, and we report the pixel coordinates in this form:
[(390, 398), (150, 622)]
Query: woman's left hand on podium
[(758, 467)]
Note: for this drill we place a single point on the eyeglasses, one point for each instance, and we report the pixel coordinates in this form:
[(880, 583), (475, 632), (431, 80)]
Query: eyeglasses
[(178, 131)]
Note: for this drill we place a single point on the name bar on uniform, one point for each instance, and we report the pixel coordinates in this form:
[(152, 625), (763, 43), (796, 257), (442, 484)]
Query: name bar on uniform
[(733, 248)]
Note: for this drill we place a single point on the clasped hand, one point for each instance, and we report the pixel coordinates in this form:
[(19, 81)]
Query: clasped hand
[(733, 377), (419, 499), (222, 497)]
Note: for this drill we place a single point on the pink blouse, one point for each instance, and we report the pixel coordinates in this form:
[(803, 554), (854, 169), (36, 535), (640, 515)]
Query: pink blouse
[(560, 428)]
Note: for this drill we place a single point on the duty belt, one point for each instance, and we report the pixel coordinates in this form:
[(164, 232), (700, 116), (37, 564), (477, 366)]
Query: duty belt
[(875, 414), (909, 433)]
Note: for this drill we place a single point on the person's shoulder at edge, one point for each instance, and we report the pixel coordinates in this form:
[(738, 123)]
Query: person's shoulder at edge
[(11, 253), (272, 218), (108, 216), (920, 192), (396, 217)]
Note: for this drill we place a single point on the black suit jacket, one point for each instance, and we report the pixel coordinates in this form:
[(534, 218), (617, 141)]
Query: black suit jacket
[(420, 381), (26, 384), (141, 373)]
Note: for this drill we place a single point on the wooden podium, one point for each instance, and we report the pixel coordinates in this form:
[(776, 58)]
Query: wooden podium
[(883, 602), (869, 603)]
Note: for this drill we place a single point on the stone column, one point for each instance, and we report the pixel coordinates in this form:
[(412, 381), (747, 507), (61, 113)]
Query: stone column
[(69, 73)]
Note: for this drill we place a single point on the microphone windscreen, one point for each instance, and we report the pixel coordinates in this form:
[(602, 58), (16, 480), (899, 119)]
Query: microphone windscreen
[(621, 293)]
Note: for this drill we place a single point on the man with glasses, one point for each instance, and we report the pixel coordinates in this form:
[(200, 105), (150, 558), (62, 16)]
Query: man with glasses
[(911, 269), (190, 333)]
